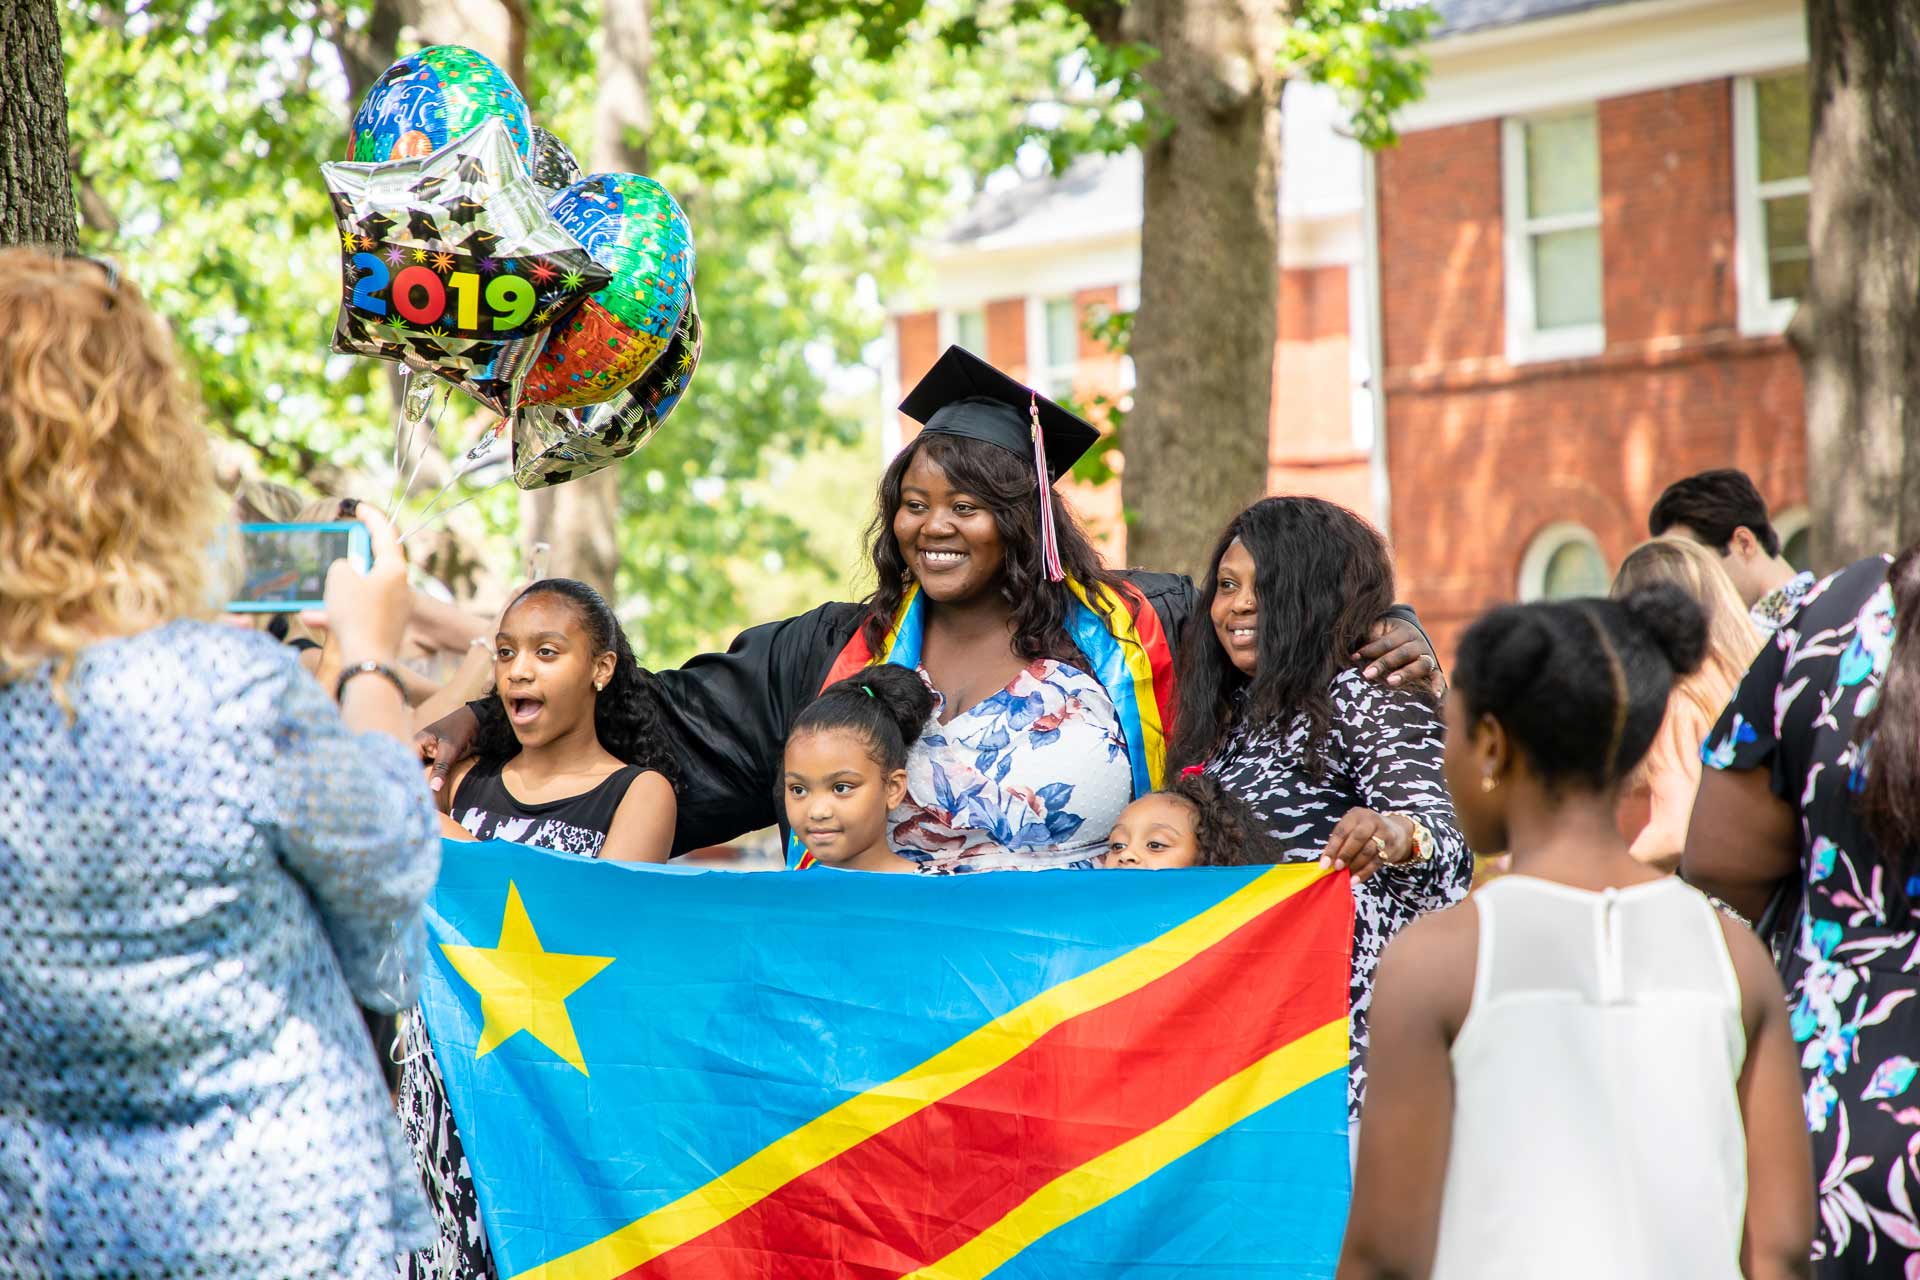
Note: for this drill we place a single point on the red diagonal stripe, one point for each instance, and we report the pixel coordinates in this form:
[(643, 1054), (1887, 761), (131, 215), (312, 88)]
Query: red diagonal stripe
[(917, 1191)]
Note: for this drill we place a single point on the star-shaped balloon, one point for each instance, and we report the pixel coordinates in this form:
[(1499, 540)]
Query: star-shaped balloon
[(454, 260)]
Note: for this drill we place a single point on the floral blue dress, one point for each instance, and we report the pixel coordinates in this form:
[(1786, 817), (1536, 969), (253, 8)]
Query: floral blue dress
[(1032, 777), (1852, 976)]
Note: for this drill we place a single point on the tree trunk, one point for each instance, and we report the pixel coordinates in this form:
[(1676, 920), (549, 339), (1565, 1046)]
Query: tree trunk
[(1203, 341), (1858, 329), (36, 195), (580, 520), (369, 49)]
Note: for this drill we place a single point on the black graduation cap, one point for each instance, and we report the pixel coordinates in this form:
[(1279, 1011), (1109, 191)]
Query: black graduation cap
[(423, 227), (963, 395), (465, 211), (471, 170)]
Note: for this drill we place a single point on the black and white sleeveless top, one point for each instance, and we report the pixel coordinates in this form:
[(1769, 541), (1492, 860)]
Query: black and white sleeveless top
[(574, 824)]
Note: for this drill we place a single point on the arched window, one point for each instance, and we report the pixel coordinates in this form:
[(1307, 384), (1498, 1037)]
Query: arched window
[(1796, 538), (1563, 561)]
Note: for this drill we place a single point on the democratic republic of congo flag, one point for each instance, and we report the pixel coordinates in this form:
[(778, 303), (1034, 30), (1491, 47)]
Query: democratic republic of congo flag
[(711, 1075)]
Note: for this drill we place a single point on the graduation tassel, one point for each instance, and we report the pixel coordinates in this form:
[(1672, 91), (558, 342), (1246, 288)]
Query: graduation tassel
[(1049, 539)]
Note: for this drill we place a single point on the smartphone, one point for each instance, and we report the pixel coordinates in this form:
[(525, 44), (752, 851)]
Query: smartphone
[(284, 566)]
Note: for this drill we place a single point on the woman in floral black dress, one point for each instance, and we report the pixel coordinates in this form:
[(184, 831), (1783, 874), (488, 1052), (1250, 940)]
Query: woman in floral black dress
[(1814, 776), (1336, 768)]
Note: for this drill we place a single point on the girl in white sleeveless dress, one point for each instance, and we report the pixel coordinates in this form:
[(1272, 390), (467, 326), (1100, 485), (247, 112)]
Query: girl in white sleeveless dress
[(1584, 1071)]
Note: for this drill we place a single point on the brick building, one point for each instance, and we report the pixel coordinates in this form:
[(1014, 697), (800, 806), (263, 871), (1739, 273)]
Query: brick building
[(1590, 238), (1573, 273)]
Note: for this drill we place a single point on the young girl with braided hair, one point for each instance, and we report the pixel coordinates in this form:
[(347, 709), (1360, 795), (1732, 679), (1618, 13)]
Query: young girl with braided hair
[(846, 766), (580, 763)]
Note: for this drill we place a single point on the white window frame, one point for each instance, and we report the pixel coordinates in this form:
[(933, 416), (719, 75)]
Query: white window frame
[(1759, 313), (1052, 380), (1524, 341), (950, 326), (1541, 550)]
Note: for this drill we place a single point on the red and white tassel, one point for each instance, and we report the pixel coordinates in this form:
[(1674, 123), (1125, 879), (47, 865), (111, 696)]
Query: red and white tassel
[(1049, 539)]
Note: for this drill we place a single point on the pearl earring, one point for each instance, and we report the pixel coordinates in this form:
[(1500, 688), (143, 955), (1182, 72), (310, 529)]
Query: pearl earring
[(599, 686), (1487, 783)]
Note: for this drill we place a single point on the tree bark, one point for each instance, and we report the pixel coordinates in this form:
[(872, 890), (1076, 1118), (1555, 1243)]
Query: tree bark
[(580, 520), (1203, 340), (1858, 329), (367, 50), (36, 194)]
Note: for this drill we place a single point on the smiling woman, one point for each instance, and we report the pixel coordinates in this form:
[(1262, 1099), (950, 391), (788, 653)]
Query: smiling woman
[(1027, 765), (1053, 675), (1334, 768)]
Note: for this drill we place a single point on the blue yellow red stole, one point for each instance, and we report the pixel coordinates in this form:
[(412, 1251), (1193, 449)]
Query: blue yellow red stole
[(1130, 657)]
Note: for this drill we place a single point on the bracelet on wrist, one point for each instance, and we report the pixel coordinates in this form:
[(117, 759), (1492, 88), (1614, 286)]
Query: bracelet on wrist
[(368, 669)]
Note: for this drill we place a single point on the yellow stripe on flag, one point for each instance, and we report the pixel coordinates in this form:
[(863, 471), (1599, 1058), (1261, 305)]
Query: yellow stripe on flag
[(960, 1064), (1102, 1178)]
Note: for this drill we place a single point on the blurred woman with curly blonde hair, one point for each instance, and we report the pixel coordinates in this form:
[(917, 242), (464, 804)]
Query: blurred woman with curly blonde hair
[(203, 860), (1658, 798)]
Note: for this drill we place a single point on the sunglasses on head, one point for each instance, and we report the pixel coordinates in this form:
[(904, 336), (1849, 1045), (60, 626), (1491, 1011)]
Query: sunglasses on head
[(112, 270)]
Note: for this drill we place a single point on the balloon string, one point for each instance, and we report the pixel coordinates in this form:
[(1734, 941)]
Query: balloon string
[(487, 439), (445, 391), (436, 517), (399, 449)]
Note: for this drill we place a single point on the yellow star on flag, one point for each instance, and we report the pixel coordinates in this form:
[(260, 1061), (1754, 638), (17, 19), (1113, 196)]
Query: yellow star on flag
[(523, 986)]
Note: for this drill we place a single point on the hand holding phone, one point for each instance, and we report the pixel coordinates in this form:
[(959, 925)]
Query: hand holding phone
[(367, 609), (285, 565)]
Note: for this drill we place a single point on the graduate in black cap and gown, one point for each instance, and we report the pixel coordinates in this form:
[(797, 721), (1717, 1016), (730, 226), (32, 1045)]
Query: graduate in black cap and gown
[(1054, 674)]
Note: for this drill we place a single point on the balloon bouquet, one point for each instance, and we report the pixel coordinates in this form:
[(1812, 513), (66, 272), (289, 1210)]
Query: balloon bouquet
[(476, 255)]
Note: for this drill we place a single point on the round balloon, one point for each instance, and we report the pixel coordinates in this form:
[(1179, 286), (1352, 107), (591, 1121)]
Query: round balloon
[(429, 98), (636, 230)]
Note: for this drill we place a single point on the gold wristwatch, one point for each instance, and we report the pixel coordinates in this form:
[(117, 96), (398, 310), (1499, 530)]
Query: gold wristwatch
[(1422, 841)]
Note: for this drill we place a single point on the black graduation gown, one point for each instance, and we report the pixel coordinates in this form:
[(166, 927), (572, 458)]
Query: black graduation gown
[(728, 713)]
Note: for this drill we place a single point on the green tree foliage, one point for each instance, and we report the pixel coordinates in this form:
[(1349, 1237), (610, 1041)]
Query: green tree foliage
[(198, 129), (1367, 52), (808, 169)]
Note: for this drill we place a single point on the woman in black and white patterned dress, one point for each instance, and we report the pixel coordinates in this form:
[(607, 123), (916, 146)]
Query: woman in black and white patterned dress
[(1336, 768)]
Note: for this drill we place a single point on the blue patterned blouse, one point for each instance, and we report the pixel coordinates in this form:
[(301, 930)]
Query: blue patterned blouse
[(201, 869)]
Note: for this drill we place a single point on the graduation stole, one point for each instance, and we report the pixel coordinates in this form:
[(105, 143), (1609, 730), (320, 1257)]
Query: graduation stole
[(1131, 658)]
